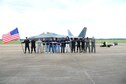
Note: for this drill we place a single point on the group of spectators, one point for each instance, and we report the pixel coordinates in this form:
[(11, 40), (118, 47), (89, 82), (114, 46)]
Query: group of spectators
[(60, 45)]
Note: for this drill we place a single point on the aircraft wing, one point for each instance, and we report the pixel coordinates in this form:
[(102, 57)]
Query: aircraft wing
[(48, 35)]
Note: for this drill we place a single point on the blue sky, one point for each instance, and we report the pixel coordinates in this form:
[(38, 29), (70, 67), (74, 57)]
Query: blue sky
[(103, 18)]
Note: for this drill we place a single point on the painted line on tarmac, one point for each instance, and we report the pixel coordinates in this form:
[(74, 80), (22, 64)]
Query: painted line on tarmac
[(85, 72), (89, 77)]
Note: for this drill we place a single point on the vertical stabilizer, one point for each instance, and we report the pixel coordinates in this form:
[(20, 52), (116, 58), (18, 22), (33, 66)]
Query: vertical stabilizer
[(83, 32), (69, 33)]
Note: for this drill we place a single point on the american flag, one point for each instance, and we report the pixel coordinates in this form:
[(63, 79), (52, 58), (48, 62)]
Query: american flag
[(12, 35)]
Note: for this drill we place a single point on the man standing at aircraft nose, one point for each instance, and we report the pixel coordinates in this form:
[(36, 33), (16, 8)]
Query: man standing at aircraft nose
[(26, 41)]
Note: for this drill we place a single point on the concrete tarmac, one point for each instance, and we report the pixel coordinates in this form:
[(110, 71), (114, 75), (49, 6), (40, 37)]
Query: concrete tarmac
[(106, 66)]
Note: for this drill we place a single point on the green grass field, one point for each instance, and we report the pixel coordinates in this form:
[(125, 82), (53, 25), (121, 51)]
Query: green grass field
[(110, 41), (97, 41), (12, 42)]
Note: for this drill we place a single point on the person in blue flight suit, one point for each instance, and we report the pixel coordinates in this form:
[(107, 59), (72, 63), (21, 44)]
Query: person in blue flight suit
[(47, 42), (53, 45), (58, 45)]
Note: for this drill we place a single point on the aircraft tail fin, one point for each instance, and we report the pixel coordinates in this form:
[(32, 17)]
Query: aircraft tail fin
[(83, 32), (69, 33)]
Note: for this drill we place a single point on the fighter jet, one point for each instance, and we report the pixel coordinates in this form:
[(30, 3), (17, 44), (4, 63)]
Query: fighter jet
[(54, 35)]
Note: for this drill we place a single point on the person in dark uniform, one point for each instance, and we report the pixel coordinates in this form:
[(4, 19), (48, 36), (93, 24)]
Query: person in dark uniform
[(83, 45), (63, 45), (33, 46), (87, 44), (78, 45), (104, 44), (72, 45), (26, 41), (50, 45)]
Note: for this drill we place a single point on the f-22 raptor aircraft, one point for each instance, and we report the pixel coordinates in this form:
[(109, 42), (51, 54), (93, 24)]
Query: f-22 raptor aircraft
[(53, 35)]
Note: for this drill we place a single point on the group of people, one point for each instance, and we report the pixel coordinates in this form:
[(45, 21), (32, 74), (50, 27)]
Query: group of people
[(60, 45)]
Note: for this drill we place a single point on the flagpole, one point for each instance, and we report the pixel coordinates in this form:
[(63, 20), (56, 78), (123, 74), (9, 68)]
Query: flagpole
[(21, 42), (22, 46)]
